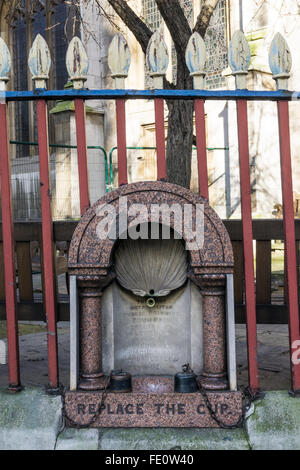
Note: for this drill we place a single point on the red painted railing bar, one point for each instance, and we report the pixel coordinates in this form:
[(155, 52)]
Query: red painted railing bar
[(47, 237), (289, 234), (201, 148), (245, 185), (82, 155), (121, 142), (160, 139), (9, 257)]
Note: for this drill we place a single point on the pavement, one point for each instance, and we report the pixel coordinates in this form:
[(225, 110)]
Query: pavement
[(273, 357), (33, 420), (33, 358)]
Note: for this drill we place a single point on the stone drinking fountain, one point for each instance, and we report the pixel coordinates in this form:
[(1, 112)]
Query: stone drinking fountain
[(146, 307)]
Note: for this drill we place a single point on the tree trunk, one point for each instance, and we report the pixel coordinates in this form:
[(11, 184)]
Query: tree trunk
[(180, 141), (180, 125)]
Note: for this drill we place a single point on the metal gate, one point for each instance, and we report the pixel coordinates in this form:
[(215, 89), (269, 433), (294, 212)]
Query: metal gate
[(77, 64)]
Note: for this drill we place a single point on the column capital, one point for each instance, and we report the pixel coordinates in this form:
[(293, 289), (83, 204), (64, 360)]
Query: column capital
[(94, 283), (209, 281)]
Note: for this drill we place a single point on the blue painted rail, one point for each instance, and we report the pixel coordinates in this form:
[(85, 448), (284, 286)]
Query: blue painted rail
[(86, 94)]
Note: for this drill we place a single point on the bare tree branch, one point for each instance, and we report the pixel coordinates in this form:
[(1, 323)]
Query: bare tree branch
[(204, 16), (140, 30), (176, 21), (103, 12)]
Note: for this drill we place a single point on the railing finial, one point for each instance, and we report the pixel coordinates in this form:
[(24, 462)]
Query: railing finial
[(195, 57), (39, 61), (77, 63), (239, 58), (119, 60), (157, 58), (5, 64), (280, 61)]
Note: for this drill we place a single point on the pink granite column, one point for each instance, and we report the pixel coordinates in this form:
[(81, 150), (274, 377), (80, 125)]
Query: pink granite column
[(214, 376), (91, 375)]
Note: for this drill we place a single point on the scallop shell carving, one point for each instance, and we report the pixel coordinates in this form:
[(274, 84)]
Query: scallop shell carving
[(151, 267)]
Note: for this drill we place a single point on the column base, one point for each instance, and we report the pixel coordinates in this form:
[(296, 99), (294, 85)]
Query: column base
[(213, 383), (92, 382)]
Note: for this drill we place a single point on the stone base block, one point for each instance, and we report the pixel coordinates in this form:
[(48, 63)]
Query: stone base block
[(152, 410)]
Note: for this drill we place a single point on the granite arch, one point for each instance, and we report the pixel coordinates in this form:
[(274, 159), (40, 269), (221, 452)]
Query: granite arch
[(89, 255)]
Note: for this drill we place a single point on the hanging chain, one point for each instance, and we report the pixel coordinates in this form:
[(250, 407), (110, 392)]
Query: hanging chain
[(247, 396), (245, 393), (213, 414), (94, 417)]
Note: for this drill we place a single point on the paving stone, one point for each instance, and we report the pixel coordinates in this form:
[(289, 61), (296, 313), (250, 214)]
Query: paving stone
[(30, 419), (171, 439), (275, 423), (78, 439)]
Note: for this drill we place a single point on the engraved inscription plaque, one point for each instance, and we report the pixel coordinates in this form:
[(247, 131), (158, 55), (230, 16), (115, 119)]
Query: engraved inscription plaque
[(156, 340)]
